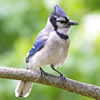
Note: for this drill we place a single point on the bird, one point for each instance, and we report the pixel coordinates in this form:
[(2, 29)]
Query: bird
[(50, 48)]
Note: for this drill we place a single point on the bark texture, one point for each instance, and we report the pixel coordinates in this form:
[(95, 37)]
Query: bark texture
[(84, 89)]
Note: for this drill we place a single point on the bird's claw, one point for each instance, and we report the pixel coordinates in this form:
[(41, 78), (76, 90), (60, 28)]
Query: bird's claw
[(42, 72), (62, 77)]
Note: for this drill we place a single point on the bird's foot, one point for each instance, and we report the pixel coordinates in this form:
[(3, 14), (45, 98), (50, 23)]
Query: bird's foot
[(42, 72), (62, 77)]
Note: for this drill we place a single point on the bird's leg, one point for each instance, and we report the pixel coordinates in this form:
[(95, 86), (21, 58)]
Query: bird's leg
[(61, 75), (27, 67), (42, 72)]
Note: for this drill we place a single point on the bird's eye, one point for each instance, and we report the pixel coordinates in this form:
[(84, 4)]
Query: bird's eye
[(63, 22)]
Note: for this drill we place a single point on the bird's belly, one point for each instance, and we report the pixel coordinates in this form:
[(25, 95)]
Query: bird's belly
[(58, 57), (56, 53)]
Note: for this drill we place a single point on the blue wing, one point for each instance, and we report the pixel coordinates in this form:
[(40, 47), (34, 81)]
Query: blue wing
[(39, 44), (36, 47)]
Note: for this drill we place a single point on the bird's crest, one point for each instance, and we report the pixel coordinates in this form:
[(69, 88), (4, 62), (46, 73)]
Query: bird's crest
[(58, 11)]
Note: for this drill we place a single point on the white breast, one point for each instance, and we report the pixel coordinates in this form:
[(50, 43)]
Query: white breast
[(57, 49), (54, 52)]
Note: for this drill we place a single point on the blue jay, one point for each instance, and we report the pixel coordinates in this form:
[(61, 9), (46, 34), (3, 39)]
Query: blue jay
[(50, 47)]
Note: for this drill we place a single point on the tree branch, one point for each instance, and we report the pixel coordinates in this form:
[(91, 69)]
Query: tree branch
[(84, 89)]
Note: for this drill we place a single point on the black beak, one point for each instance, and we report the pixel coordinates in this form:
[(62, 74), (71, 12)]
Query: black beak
[(72, 23)]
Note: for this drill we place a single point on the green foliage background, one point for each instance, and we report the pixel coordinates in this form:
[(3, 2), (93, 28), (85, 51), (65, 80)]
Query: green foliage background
[(21, 21)]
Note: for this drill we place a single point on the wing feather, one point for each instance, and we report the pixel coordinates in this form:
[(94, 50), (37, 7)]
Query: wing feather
[(37, 46)]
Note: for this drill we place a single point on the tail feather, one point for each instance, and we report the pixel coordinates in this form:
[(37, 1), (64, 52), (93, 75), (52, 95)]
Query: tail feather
[(23, 89)]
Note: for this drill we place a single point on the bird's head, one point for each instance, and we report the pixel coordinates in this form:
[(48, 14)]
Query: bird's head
[(59, 19)]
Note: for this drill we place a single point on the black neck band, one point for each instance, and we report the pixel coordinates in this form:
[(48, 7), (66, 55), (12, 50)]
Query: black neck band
[(62, 36)]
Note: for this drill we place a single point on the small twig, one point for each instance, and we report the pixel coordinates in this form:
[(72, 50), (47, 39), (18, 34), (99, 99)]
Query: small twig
[(84, 89)]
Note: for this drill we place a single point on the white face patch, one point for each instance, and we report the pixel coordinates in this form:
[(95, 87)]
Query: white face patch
[(60, 25), (61, 19), (61, 22)]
